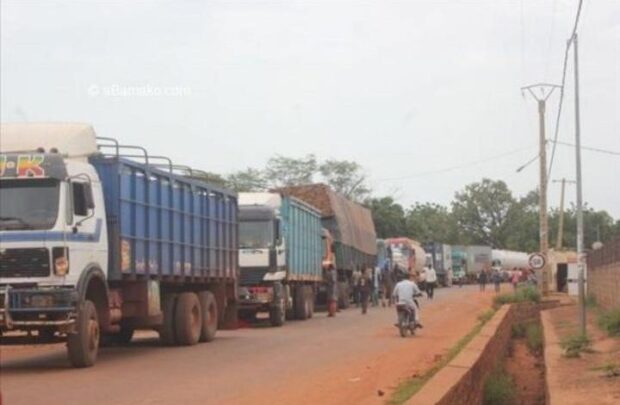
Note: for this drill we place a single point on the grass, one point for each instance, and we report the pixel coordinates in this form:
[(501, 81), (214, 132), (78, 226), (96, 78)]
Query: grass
[(486, 315), (499, 389), (591, 301), (609, 321), (523, 294), (410, 387), (518, 330), (534, 337), (609, 369), (574, 345)]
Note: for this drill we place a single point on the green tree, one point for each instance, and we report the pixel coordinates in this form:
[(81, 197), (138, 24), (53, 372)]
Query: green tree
[(247, 180), (482, 212), (431, 222), (282, 171), (389, 217), (345, 177)]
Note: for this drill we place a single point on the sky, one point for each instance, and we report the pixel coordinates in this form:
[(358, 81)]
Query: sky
[(425, 95)]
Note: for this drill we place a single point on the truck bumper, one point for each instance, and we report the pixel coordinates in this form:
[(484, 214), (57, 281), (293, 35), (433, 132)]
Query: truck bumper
[(255, 297), (36, 308)]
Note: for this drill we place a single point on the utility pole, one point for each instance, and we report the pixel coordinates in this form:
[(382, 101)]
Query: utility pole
[(558, 242), (545, 91), (580, 251)]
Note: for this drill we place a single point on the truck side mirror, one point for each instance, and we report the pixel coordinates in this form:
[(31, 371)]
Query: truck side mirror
[(277, 231)]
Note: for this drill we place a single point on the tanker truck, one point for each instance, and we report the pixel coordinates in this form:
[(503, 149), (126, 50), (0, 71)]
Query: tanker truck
[(507, 260), (351, 226), (98, 240)]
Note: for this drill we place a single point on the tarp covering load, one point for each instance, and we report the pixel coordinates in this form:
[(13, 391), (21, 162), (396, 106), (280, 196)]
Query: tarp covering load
[(352, 223)]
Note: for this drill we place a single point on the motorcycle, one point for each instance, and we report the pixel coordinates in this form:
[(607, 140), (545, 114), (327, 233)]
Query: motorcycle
[(406, 318)]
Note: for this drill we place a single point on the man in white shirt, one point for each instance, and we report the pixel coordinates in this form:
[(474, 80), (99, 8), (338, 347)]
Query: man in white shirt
[(431, 281), (404, 293)]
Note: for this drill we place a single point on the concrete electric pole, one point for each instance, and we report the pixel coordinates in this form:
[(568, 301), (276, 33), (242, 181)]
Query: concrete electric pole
[(580, 250), (545, 91), (558, 242)]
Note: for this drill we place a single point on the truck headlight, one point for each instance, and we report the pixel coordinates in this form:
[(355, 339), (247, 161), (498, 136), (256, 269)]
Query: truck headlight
[(60, 257)]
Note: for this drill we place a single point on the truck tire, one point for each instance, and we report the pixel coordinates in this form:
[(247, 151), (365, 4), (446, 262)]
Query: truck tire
[(83, 345), (277, 314), (208, 310), (301, 303), (166, 330), (187, 319)]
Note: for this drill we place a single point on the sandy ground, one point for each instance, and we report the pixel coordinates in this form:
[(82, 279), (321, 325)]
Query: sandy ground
[(350, 359), (582, 380)]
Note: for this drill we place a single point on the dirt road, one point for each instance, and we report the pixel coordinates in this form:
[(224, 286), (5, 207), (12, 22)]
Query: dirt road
[(345, 360)]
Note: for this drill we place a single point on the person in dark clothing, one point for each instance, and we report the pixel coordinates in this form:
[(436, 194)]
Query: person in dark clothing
[(482, 279), (364, 288)]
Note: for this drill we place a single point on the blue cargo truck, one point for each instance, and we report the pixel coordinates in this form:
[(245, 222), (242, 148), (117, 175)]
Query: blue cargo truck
[(95, 244), (280, 256)]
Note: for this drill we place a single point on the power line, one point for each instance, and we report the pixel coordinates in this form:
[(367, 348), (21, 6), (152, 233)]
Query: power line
[(607, 151), (557, 120), (461, 166)]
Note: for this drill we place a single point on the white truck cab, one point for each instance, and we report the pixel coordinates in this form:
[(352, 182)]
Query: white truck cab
[(53, 239)]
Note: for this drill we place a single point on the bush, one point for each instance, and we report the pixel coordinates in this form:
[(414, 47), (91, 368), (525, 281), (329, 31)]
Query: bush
[(499, 389), (523, 294), (534, 337), (575, 344), (610, 322)]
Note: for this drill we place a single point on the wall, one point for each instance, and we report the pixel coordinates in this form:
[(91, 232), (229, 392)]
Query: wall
[(604, 275), (461, 382)]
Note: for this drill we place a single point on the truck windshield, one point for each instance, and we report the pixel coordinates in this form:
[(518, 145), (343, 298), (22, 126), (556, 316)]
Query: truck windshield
[(255, 234), (28, 203)]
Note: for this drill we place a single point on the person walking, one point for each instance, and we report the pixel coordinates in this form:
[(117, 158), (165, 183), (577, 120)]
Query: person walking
[(496, 278), (431, 281), (516, 275), (364, 288), (482, 280), (357, 277), (331, 278)]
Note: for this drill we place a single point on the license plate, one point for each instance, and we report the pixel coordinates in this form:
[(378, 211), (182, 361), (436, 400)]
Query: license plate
[(41, 301)]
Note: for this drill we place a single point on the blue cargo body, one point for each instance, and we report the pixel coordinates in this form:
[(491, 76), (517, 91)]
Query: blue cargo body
[(301, 227), (167, 226)]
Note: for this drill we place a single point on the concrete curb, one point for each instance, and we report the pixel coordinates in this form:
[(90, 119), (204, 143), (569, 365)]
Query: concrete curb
[(553, 352), (462, 380)]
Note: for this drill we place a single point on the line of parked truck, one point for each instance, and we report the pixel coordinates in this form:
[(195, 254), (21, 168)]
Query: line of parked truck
[(98, 239)]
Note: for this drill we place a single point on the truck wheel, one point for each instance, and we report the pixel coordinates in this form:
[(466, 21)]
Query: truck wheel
[(301, 303), (277, 314), (208, 309), (187, 319), (82, 346), (166, 330)]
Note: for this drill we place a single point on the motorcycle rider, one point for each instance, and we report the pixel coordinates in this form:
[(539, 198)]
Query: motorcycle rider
[(405, 292)]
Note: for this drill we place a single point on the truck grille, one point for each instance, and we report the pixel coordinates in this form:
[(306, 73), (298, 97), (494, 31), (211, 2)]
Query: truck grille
[(24, 263), (251, 275)]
